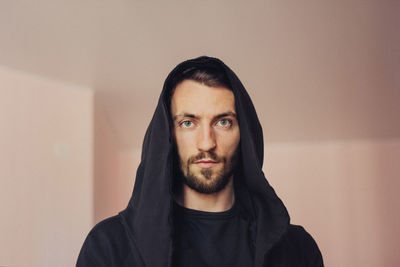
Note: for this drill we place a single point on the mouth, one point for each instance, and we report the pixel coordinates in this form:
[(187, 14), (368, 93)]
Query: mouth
[(206, 163)]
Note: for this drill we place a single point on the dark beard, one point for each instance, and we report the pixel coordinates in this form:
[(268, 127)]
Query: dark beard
[(204, 184)]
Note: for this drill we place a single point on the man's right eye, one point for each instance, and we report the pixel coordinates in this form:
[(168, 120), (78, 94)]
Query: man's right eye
[(186, 124)]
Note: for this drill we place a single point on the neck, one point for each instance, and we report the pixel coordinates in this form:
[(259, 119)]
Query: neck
[(215, 202)]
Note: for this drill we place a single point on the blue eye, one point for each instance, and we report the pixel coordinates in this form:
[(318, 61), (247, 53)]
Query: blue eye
[(187, 124), (224, 123)]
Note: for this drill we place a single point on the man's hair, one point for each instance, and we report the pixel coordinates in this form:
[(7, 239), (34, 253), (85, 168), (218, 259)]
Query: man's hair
[(210, 75)]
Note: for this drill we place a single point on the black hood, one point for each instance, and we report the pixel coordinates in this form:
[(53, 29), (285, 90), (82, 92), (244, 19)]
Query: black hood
[(148, 217)]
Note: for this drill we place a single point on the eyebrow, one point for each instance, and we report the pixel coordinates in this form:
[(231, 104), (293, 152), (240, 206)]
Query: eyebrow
[(190, 115)]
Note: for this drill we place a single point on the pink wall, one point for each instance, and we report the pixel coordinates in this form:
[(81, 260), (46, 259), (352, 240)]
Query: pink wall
[(45, 170), (59, 176), (114, 169), (345, 193)]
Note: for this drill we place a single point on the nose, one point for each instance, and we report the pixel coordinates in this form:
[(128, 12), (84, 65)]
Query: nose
[(206, 139)]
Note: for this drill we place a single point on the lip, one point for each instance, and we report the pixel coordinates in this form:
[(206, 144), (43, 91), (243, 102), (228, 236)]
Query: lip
[(206, 164)]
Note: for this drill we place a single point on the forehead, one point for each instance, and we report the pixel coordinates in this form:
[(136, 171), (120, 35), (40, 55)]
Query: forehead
[(197, 98)]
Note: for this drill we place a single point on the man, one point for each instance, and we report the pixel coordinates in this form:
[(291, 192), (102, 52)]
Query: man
[(200, 196)]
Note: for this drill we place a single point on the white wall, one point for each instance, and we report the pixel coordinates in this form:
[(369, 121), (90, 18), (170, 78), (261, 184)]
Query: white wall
[(46, 137)]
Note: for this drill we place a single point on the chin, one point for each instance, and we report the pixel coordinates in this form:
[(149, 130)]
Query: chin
[(200, 183)]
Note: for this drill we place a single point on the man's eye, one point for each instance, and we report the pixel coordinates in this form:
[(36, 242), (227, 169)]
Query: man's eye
[(224, 123), (187, 124)]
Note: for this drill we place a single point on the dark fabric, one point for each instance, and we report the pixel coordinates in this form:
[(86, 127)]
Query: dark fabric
[(142, 234), (211, 238)]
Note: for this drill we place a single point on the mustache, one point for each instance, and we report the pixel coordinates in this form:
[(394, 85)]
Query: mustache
[(204, 155)]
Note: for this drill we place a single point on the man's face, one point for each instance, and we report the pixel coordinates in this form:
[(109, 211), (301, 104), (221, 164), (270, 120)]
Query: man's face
[(206, 133)]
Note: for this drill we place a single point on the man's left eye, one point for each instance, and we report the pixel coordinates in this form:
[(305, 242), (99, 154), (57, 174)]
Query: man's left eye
[(224, 123)]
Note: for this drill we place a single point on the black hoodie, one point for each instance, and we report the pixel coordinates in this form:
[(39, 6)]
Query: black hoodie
[(141, 235)]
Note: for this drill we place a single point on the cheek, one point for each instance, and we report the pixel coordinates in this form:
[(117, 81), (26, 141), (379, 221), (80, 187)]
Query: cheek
[(229, 143), (184, 145)]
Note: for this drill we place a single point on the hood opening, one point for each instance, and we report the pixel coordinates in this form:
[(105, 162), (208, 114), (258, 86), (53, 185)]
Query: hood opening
[(149, 213)]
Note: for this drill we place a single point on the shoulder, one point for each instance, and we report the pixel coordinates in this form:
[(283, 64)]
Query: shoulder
[(107, 244), (298, 243), (108, 229), (297, 235)]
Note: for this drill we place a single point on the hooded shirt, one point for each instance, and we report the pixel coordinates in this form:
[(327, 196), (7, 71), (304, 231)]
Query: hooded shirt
[(142, 234)]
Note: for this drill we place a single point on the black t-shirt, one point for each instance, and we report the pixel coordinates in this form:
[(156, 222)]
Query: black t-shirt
[(211, 238)]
